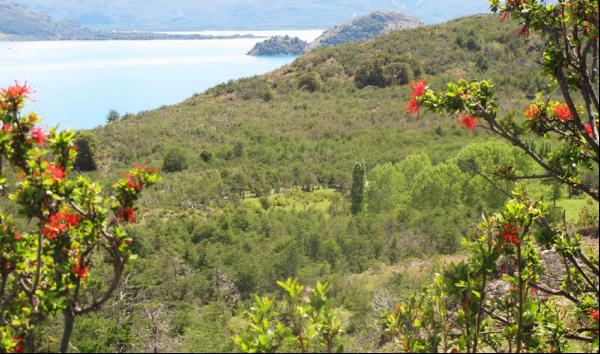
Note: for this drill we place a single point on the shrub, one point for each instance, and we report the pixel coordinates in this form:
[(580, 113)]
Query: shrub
[(310, 82), (175, 161)]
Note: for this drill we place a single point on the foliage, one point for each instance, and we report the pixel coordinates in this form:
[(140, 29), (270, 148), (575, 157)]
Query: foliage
[(46, 264), (307, 322), (522, 319)]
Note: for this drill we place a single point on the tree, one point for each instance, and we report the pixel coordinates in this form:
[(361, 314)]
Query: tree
[(112, 116), (520, 319), (46, 264), (86, 150), (174, 161), (358, 187)]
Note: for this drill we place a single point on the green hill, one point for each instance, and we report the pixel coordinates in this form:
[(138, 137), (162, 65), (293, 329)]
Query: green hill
[(282, 126), (234, 212)]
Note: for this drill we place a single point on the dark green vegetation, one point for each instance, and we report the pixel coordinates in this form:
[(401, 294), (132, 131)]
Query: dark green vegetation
[(280, 45), (265, 192), (365, 27), (241, 14)]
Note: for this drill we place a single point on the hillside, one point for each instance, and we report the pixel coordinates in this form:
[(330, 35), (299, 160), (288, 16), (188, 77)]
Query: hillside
[(365, 27), (242, 14), (16, 20), (255, 185)]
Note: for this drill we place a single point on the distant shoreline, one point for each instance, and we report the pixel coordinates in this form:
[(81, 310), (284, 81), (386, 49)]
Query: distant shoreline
[(126, 36)]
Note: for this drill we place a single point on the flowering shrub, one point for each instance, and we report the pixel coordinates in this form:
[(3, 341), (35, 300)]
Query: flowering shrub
[(46, 262), (522, 319)]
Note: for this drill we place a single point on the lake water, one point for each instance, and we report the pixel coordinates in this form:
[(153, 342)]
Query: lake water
[(78, 82)]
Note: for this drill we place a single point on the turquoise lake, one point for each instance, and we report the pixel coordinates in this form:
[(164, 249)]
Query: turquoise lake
[(77, 82)]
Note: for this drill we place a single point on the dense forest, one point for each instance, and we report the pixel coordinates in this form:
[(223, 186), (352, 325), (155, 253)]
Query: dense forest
[(314, 172)]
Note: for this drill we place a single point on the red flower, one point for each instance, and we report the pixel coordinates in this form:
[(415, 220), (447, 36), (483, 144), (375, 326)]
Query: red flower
[(134, 182), (523, 32), (419, 87), (17, 92), (531, 112), (469, 122), (504, 16), (509, 234), (19, 347), (80, 270), (7, 128), (39, 135), (412, 107), (126, 214), (55, 172), (58, 223), (563, 112), (595, 314), (588, 128), (533, 290)]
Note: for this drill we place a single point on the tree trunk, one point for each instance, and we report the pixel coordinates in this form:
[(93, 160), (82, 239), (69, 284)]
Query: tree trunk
[(68, 330)]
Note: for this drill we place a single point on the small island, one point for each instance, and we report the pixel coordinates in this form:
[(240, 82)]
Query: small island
[(280, 45)]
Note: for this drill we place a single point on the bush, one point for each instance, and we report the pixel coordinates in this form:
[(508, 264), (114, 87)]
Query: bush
[(310, 82), (175, 160)]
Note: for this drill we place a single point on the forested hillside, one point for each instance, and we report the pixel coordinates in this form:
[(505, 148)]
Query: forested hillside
[(314, 171), (257, 174)]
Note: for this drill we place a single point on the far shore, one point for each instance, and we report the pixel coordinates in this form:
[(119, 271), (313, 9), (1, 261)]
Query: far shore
[(125, 36)]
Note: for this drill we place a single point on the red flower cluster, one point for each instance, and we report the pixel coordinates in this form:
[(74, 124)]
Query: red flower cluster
[(19, 344), (39, 135), (126, 214), (531, 112), (59, 223), (412, 107), (523, 32), (595, 315), (55, 172), (80, 270), (563, 112), (17, 92), (134, 182), (469, 122), (588, 128), (7, 128), (509, 234)]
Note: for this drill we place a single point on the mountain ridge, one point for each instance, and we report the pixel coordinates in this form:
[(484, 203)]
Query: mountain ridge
[(242, 14)]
